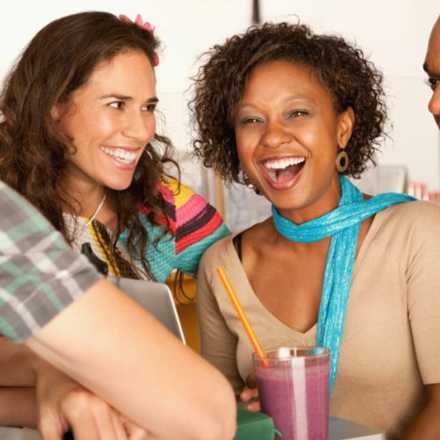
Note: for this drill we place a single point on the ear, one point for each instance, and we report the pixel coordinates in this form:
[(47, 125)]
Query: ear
[(346, 121), (57, 112)]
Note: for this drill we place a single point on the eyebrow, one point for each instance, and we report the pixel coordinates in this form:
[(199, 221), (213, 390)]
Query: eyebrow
[(152, 100), (288, 100)]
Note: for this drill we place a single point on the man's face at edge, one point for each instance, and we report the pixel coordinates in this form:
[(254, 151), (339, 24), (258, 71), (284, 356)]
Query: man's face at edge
[(432, 68)]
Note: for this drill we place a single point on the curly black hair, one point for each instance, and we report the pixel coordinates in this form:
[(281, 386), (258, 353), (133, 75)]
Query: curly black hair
[(343, 69)]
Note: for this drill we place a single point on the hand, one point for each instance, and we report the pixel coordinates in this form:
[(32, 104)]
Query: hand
[(249, 395), (419, 190), (64, 405), (134, 432)]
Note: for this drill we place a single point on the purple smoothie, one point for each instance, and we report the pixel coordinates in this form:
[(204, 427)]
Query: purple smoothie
[(294, 393)]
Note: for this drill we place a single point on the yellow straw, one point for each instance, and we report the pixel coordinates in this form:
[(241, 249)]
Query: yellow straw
[(240, 312)]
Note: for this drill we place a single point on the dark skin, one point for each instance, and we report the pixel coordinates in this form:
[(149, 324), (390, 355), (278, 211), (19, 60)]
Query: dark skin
[(426, 425), (432, 68), (286, 113), (271, 262)]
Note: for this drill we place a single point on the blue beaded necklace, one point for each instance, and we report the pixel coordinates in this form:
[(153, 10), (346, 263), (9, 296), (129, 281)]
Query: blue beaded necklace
[(343, 225)]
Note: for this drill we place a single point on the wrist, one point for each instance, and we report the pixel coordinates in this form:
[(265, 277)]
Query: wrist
[(38, 366)]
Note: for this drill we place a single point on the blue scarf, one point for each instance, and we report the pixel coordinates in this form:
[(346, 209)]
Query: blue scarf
[(343, 225)]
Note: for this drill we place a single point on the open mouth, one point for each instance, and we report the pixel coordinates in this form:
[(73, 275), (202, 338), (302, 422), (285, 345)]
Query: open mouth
[(282, 172)]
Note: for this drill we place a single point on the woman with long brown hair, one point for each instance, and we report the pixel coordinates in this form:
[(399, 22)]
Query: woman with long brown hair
[(78, 140)]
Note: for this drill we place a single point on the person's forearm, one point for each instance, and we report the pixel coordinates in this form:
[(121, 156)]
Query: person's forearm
[(126, 357), (18, 407), (16, 364)]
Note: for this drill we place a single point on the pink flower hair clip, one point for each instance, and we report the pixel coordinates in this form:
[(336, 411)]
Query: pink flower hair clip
[(143, 25)]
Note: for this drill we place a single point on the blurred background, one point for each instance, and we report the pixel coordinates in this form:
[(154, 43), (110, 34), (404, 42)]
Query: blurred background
[(394, 34)]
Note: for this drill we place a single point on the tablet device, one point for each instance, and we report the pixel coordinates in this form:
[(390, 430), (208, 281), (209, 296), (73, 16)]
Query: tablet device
[(154, 297)]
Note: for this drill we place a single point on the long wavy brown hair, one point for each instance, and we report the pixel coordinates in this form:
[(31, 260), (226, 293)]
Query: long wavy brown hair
[(34, 155)]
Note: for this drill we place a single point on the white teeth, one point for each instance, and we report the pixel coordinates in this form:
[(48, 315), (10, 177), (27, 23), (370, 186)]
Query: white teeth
[(281, 164), (120, 154)]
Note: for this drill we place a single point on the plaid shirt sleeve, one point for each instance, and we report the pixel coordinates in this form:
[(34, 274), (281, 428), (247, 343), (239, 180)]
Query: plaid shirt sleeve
[(40, 274)]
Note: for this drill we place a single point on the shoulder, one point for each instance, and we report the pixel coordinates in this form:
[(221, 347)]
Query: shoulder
[(196, 224), (413, 215), (176, 193), (183, 203), (219, 253), (180, 201), (415, 224), (191, 210)]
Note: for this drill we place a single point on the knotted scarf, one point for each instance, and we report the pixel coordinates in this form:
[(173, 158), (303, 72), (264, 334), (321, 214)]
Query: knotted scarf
[(343, 226)]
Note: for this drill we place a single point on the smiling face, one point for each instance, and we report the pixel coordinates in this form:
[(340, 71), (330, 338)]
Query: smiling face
[(110, 120), (432, 68), (288, 134)]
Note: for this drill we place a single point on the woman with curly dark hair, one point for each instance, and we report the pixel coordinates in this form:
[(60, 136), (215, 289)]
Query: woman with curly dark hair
[(78, 140), (292, 113)]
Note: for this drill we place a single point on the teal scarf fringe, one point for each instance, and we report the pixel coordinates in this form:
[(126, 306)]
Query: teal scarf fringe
[(343, 225)]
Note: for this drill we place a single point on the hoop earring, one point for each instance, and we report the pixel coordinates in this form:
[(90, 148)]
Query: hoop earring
[(342, 161)]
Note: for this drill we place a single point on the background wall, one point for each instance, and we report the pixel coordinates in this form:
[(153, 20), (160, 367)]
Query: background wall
[(394, 33)]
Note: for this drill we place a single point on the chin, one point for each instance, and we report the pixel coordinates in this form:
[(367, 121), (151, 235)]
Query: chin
[(292, 202), (286, 205), (288, 197), (119, 186)]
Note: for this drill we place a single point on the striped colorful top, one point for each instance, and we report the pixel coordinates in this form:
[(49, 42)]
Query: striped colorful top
[(191, 225)]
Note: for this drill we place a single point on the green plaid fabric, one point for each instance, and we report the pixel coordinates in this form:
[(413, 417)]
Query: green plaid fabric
[(40, 274)]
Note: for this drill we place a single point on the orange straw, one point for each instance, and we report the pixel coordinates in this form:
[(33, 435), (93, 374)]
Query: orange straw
[(240, 312)]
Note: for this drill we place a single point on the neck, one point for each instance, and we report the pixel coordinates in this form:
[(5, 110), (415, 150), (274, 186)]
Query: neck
[(304, 250), (316, 208), (84, 198)]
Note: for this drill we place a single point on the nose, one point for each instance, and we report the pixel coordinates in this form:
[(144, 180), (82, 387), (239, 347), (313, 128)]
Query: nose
[(140, 126), (434, 104), (275, 135)]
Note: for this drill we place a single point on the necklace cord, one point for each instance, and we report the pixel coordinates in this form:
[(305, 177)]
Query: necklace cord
[(98, 209)]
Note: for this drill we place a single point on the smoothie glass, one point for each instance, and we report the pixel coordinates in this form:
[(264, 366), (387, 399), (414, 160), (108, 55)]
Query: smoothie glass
[(293, 389)]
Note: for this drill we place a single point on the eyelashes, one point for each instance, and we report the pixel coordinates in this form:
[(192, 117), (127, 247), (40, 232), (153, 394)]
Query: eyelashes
[(118, 105), (250, 120), (121, 105), (292, 114), (151, 108), (298, 113)]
